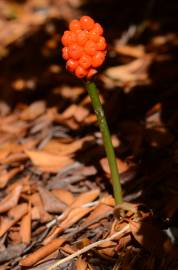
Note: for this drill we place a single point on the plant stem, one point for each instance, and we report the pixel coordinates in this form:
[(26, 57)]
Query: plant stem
[(94, 95)]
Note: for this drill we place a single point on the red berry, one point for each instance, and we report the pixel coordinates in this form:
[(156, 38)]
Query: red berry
[(82, 37), (85, 61), (98, 59), (93, 36), (86, 23), (71, 65), (80, 72), (68, 38), (65, 53), (75, 51), (98, 29), (74, 25), (101, 44), (91, 73), (90, 47)]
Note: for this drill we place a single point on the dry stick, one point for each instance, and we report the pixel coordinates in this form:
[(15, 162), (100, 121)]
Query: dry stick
[(89, 247)]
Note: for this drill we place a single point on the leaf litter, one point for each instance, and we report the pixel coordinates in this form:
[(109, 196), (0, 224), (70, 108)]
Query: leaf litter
[(55, 186)]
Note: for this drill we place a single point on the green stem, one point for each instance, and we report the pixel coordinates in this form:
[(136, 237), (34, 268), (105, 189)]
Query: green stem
[(94, 95)]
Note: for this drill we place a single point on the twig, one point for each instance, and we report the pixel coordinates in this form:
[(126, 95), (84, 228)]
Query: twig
[(89, 247)]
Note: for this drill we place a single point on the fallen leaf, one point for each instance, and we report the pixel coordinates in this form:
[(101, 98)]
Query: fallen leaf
[(81, 264), (14, 215), (33, 111), (47, 162), (100, 210), (50, 202), (42, 252), (63, 195), (153, 239), (25, 228), (36, 201), (6, 176), (73, 216), (122, 166), (11, 199), (11, 252)]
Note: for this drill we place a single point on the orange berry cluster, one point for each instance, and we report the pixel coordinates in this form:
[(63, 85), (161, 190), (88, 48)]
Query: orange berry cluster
[(84, 47)]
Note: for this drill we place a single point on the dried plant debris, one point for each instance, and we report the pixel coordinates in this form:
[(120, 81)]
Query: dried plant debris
[(56, 203)]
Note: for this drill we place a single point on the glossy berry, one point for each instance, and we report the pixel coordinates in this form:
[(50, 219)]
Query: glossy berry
[(71, 65), (74, 25), (65, 53), (86, 23), (98, 59), (80, 72), (84, 47), (75, 51)]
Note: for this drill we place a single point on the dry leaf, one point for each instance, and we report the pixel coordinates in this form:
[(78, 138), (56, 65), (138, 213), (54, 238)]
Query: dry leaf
[(81, 264), (50, 202), (6, 176), (100, 210), (63, 195), (153, 239), (36, 201), (25, 228), (33, 111), (73, 216), (47, 162), (122, 166), (11, 199), (14, 215), (42, 252)]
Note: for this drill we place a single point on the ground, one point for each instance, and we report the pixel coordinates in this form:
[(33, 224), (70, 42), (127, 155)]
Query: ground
[(56, 194)]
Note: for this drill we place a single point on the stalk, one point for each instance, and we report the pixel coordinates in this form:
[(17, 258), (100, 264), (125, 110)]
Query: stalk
[(96, 103)]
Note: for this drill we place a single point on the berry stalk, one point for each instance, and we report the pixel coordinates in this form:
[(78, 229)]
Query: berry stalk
[(94, 95)]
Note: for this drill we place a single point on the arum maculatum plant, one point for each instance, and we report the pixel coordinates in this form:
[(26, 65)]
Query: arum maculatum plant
[(85, 51)]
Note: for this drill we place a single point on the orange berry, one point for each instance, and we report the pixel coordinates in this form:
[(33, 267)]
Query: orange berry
[(90, 47), (80, 72), (75, 51), (82, 37), (71, 65), (65, 53), (91, 73), (98, 59), (85, 61), (86, 23), (93, 36), (101, 44), (68, 38), (97, 28), (74, 25)]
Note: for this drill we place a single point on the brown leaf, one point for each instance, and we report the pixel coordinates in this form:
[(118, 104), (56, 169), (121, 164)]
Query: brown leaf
[(80, 114), (10, 200), (100, 210), (64, 149), (63, 195), (81, 264), (33, 111), (35, 199), (6, 176), (50, 202), (73, 216), (25, 228), (122, 166), (85, 198), (47, 162), (11, 252), (14, 215), (152, 238), (42, 252)]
